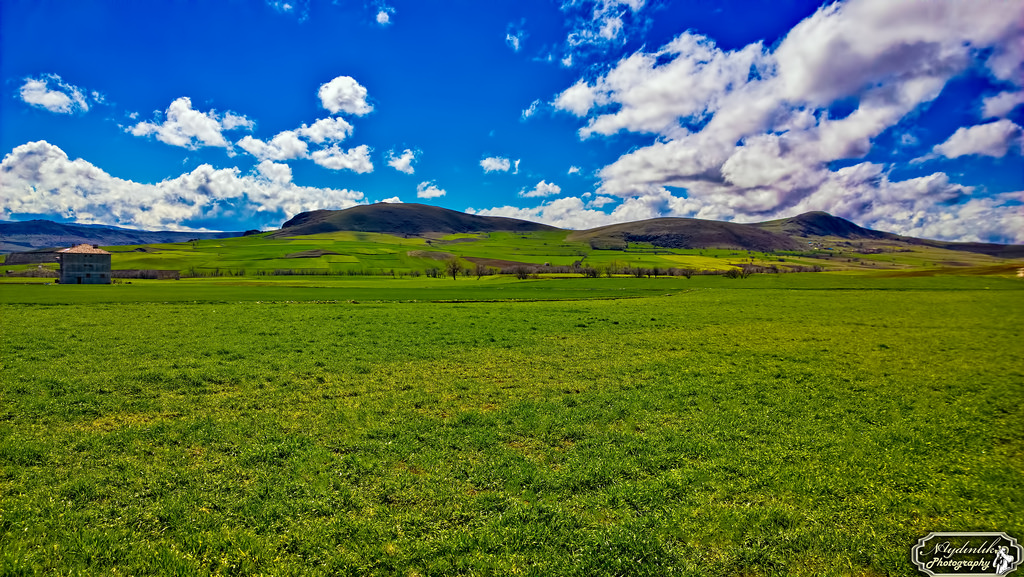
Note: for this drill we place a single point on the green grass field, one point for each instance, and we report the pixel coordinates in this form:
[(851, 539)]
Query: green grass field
[(811, 424), (344, 253)]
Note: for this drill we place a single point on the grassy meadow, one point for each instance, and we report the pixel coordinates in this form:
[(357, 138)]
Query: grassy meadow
[(363, 253), (801, 424)]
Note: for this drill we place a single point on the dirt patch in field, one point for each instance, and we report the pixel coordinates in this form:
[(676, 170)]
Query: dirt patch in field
[(434, 254), (316, 253), (497, 262)]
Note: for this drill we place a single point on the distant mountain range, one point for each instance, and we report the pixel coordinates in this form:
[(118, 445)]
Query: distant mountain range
[(36, 234), (409, 219)]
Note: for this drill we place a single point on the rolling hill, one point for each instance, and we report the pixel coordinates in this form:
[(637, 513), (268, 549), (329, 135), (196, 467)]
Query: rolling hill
[(401, 219), (35, 234)]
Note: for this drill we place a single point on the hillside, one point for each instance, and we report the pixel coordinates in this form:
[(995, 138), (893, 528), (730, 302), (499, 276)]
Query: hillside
[(686, 233), (401, 220), (35, 234)]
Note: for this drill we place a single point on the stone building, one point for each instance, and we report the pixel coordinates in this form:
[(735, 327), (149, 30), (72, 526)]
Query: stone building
[(84, 264)]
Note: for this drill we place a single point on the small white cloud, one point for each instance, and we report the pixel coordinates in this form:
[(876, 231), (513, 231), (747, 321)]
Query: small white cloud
[(992, 139), (515, 35), (541, 190), (1002, 104), (574, 170), (531, 110), (298, 8), (355, 159), (326, 130), (344, 94), (189, 128), (284, 146), (514, 41), (495, 164), (392, 200), (428, 189), (51, 93), (383, 18), (567, 61), (231, 121), (515, 165), (402, 163), (600, 201)]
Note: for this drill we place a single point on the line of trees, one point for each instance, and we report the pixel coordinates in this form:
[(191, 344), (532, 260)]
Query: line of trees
[(455, 268)]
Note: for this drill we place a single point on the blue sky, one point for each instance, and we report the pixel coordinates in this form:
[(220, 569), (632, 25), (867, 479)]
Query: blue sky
[(902, 116)]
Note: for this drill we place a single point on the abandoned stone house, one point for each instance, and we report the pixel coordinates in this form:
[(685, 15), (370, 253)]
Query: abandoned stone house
[(84, 264)]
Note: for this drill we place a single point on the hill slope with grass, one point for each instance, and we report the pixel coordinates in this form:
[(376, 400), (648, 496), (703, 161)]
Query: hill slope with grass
[(687, 233), (399, 220), (34, 234)]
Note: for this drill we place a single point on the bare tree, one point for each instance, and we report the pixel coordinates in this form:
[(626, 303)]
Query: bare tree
[(453, 267)]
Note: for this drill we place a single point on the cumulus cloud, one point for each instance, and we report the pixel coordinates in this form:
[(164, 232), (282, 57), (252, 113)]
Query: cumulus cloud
[(542, 189), (344, 94), (286, 145), (600, 201), (573, 213), (1001, 104), (189, 128), (39, 178), (748, 133), (403, 162), (574, 170), (495, 164), (355, 159), (428, 189), (393, 200), (275, 172), (326, 130), (992, 139), (51, 93)]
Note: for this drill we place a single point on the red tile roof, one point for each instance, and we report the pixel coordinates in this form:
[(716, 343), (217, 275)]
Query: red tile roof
[(84, 249)]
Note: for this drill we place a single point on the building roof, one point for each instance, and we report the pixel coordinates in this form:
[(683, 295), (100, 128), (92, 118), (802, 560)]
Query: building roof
[(83, 249)]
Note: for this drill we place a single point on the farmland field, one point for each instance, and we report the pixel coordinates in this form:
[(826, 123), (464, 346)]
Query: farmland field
[(805, 424)]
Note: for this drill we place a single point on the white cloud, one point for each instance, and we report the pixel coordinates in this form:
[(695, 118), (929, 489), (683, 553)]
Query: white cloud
[(402, 163), (600, 201), (326, 130), (344, 94), (39, 178), (992, 139), (747, 132), (514, 37), (531, 110), (355, 159), (515, 166), (189, 128), (384, 15), (600, 22), (393, 200), (298, 8), (286, 145), (495, 164), (1001, 104), (428, 189), (275, 172), (542, 189), (61, 98), (574, 170)]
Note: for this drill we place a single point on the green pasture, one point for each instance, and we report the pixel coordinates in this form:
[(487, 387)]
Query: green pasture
[(803, 424), (341, 253)]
